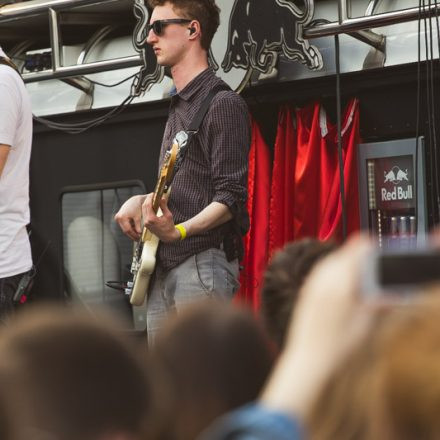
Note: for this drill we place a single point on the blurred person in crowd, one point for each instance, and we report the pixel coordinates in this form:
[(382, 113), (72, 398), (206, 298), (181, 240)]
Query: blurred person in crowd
[(210, 359), (68, 377), (329, 321), (389, 387), (283, 278), (6, 422), (15, 152)]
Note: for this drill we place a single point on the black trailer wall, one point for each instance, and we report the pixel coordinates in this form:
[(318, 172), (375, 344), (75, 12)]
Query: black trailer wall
[(124, 148)]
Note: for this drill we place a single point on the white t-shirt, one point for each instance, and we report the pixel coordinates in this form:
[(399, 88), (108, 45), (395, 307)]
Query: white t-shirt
[(16, 131)]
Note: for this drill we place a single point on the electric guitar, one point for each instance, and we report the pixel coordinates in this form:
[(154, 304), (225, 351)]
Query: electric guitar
[(144, 256)]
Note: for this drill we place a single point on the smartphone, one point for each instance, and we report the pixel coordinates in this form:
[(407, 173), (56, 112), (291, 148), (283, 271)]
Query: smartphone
[(400, 273)]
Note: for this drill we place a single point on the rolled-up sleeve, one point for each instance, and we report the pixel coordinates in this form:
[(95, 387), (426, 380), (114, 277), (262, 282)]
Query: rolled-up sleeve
[(229, 132)]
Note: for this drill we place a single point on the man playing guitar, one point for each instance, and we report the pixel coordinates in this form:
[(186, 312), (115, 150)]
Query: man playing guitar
[(199, 230)]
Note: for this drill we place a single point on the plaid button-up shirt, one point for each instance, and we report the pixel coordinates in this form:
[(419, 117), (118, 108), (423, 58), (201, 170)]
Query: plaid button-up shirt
[(215, 165)]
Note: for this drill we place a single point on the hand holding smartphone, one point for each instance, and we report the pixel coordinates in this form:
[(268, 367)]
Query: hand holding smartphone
[(400, 273)]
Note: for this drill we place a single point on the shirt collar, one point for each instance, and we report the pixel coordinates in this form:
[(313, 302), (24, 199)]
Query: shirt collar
[(195, 84)]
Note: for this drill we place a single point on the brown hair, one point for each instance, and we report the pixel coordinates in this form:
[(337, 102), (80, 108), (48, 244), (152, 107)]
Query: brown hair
[(206, 12), (282, 280), (389, 387), (71, 376), (7, 420), (211, 358)]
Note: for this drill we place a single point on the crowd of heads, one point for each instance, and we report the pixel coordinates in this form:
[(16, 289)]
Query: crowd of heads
[(67, 375)]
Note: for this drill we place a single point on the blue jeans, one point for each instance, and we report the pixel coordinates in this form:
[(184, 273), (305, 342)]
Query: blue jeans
[(206, 275)]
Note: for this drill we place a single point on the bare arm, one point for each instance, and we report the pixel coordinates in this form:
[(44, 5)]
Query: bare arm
[(4, 152), (328, 322), (215, 214)]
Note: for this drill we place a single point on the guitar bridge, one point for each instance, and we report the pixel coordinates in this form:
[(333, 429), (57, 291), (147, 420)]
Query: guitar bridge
[(129, 288), (135, 264)]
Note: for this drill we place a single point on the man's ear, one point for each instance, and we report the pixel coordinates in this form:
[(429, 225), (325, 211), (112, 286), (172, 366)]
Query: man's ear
[(194, 28)]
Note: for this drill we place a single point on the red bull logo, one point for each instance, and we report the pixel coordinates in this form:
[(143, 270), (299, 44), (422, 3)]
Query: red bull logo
[(396, 175), (398, 193), (251, 37), (260, 30)]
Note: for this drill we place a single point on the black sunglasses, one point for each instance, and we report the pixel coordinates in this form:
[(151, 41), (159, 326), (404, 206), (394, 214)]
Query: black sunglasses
[(159, 25)]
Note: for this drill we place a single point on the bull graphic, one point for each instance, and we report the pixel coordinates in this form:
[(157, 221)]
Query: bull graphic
[(390, 176), (260, 30), (150, 73), (395, 175), (402, 175)]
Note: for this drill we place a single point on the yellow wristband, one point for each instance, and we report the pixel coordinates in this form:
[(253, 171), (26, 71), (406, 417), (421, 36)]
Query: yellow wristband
[(182, 231)]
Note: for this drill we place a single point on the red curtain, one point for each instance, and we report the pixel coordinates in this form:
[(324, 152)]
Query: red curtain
[(302, 197), (331, 223), (282, 201), (316, 189), (256, 240)]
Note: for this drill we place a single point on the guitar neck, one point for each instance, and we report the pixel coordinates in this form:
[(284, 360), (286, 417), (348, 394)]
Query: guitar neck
[(156, 201), (165, 177)]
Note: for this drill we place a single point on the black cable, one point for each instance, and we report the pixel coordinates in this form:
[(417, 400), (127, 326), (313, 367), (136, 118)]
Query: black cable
[(418, 105), (436, 167), (79, 127), (111, 85), (101, 205), (432, 111), (419, 51), (46, 248), (428, 105), (83, 123), (339, 123)]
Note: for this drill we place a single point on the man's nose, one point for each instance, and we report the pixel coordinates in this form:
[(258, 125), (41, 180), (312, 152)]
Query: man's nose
[(151, 37)]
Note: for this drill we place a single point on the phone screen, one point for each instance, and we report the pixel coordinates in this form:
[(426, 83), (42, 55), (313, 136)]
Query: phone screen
[(408, 269)]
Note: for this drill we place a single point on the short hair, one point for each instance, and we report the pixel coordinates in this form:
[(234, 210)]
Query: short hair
[(7, 420), (282, 280), (206, 12), (71, 376), (209, 359)]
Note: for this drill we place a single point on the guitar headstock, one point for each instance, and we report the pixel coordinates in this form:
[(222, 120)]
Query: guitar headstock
[(171, 163), (174, 156), (181, 139)]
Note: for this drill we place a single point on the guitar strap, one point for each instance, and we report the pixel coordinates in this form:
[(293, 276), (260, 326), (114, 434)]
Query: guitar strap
[(196, 122), (200, 115)]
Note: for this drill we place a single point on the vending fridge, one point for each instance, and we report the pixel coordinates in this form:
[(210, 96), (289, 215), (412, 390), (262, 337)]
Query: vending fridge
[(392, 192)]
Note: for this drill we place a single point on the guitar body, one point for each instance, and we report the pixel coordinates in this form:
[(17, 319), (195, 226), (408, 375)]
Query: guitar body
[(146, 268), (144, 258)]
